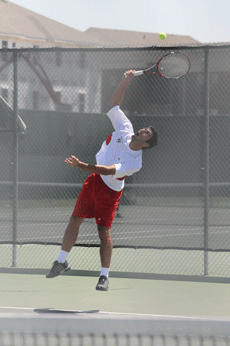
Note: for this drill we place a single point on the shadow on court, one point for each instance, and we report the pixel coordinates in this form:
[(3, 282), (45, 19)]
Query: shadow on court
[(55, 311)]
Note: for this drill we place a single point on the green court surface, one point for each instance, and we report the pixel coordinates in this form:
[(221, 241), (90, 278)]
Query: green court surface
[(76, 294)]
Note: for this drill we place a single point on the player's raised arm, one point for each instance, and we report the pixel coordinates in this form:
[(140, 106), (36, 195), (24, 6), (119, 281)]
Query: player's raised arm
[(117, 96)]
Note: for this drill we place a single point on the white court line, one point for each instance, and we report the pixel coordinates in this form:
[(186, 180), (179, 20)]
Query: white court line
[(131, 314)]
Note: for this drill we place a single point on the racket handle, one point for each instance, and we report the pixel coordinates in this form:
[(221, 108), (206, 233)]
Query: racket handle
[(136, 73)]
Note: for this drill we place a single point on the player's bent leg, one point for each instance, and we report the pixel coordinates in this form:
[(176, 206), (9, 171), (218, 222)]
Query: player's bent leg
[(71, 233), (106, 250), (69, 239)]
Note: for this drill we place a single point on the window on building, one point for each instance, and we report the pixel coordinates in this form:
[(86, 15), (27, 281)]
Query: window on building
[(35, 100), (4, 54), (58, 58), (35, 56), (81, 103), (58, 93), (82, 60), (4, 44), (5, 94)]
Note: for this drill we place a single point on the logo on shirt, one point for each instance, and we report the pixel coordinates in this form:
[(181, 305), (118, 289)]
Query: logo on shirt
[(120, 140), (122, 178), (108, 140)]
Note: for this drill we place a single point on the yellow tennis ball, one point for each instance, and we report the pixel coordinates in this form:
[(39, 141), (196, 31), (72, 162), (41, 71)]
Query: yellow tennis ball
[(162, 35)]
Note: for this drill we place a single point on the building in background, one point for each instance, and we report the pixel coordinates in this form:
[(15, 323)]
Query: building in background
[(74, 81)]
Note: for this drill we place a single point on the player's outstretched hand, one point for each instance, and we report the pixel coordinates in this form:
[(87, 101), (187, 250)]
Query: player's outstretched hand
[(129, 75), (73, 161)]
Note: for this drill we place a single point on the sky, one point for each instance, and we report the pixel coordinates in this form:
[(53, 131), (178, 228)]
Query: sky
[(205, 20)]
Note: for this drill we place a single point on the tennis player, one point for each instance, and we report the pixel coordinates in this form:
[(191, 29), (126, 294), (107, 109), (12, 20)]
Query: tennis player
[(119, 156)]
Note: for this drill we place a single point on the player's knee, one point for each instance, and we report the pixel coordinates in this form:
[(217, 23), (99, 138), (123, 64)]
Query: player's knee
[(75, 221), (104, 234)]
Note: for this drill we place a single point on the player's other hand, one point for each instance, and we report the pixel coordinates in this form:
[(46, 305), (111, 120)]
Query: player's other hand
[(129, 75), (73, 161)]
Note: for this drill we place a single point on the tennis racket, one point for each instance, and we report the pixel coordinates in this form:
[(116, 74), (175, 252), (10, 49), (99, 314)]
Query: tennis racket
[(172, 65)]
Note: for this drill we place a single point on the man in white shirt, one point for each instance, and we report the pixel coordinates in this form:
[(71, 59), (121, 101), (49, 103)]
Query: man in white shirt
[(119, 156)]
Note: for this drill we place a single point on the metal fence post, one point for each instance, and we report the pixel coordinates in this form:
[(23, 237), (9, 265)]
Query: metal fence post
[(206, 160), (15, 162)]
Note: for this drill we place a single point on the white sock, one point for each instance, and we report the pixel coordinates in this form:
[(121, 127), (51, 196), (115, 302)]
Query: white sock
[(105, 272), (62, 256)]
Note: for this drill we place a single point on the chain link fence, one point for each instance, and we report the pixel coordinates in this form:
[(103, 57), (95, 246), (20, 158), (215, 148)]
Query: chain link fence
[(174, 214)]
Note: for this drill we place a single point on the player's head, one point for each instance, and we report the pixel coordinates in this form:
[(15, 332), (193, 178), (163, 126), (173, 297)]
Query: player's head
[(144, 139), (152, 142)]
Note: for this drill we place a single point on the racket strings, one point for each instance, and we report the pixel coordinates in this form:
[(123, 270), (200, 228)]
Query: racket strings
[(174, 65)]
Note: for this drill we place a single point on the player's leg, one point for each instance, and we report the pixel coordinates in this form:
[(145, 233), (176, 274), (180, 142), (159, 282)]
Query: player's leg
[(83, 209), (106, 250), (104, 208), (70, 237), (71, 233), (106, 247)]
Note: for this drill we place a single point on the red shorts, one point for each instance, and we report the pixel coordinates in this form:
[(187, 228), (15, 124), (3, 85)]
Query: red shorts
[(97, 200)]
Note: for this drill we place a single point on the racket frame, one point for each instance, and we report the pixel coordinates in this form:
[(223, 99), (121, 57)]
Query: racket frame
[(146, 71)]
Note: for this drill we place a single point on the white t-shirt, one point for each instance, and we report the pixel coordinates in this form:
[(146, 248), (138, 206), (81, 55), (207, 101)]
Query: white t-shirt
[(116, 151)]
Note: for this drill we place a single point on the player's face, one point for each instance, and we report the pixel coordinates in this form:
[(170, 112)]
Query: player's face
[(142, 136)]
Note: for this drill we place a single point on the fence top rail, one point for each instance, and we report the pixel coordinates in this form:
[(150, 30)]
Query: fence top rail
[(117, 49)]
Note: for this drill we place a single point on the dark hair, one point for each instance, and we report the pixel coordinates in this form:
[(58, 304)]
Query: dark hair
[(153, 140)]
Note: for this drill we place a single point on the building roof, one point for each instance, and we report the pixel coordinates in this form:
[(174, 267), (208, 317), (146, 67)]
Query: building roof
[(137, 38), (19, 24)]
